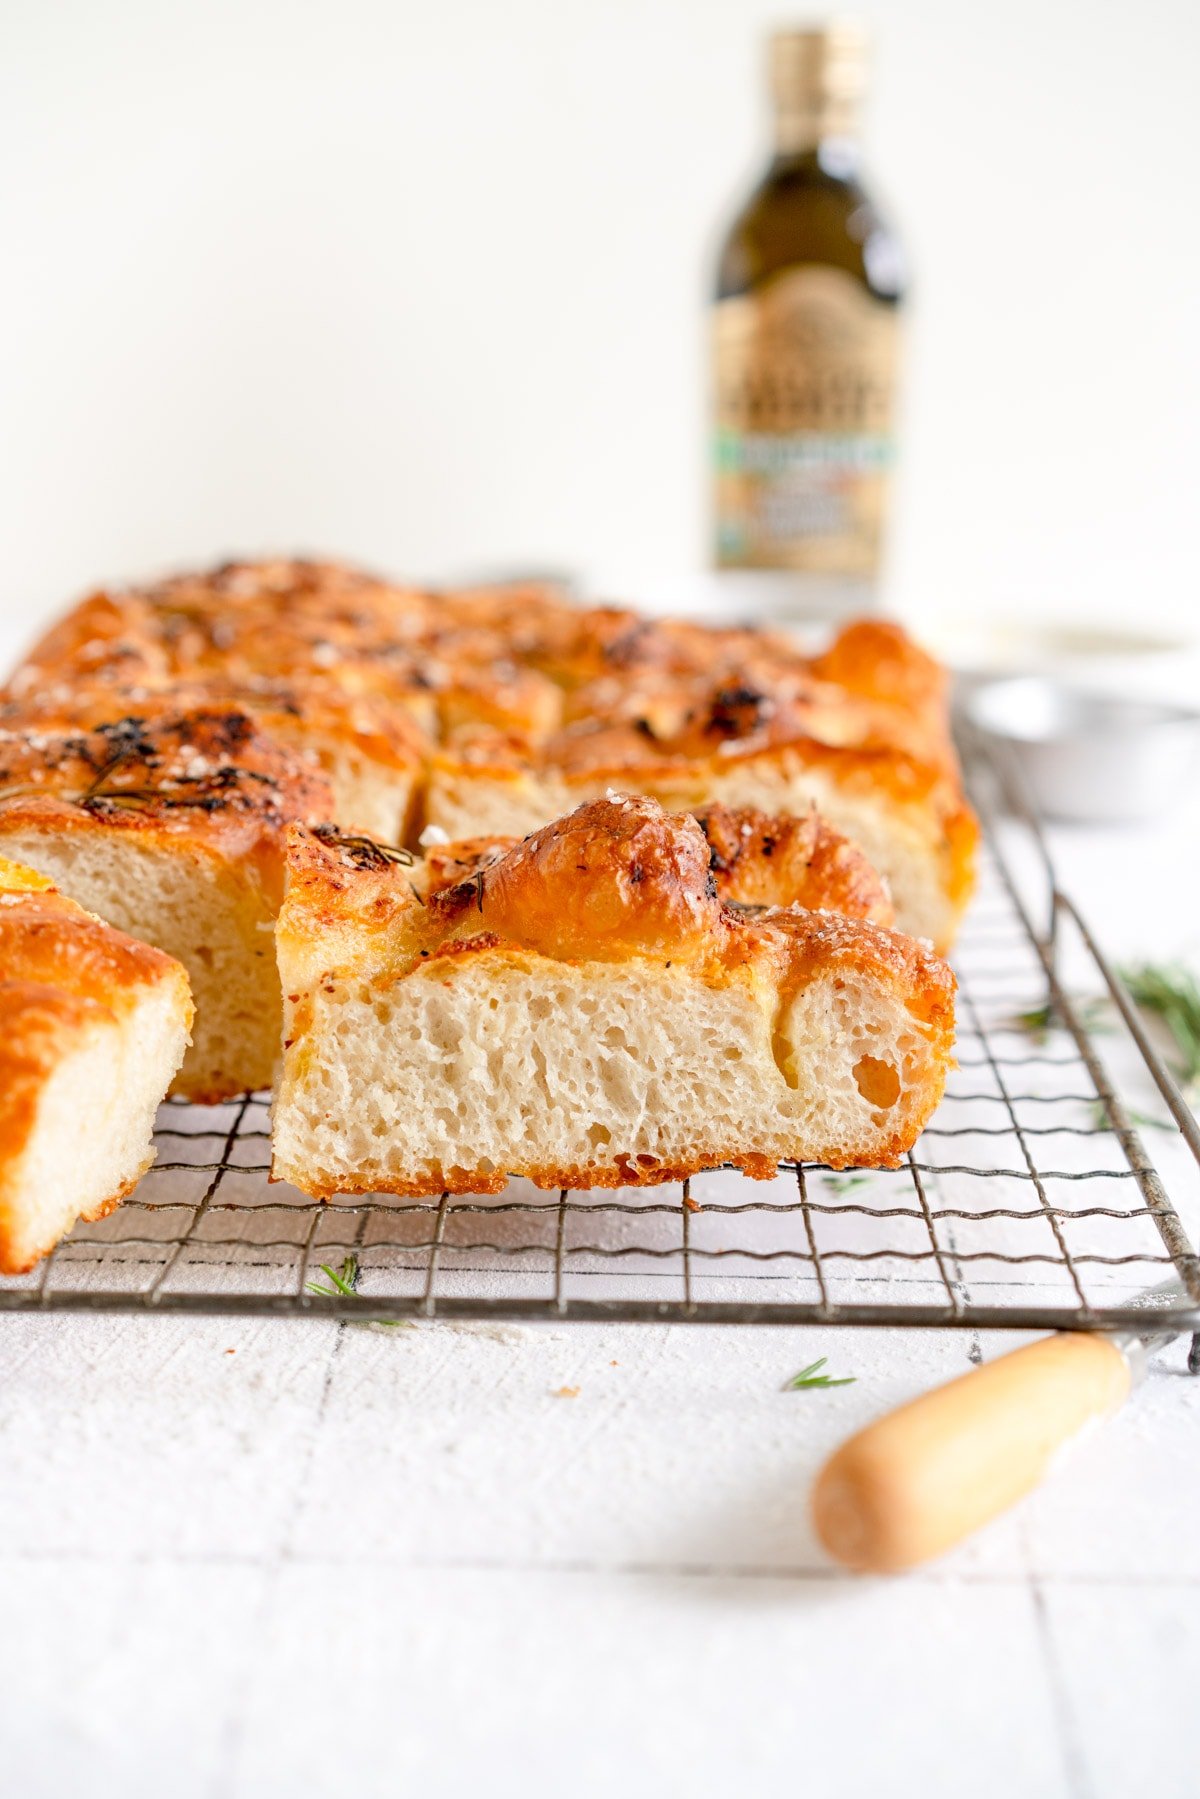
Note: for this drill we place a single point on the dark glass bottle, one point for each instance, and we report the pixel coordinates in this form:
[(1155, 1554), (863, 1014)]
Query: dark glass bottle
[(806, 325)]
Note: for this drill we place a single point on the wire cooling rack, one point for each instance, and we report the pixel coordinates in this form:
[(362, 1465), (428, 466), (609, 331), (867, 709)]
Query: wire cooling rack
[(1030, 1201)]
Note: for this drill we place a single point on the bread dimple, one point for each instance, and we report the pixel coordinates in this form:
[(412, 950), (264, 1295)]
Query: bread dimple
[(449, 864)]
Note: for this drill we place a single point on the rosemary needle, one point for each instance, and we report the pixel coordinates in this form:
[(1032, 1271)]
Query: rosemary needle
[(1141, 1121), (845, 1183), (1172, 992), (812, 1377), (345, 1284), (1093, 1014)]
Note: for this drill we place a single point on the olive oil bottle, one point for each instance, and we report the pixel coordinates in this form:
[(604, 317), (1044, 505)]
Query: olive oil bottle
[(806, 334)]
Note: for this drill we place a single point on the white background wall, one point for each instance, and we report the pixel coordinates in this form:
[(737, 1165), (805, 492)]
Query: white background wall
[(423, 283)]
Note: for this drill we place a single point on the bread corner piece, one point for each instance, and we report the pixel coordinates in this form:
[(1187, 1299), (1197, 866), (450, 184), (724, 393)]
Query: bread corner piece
[(92, 1028), (586, 1011), (172, 829)]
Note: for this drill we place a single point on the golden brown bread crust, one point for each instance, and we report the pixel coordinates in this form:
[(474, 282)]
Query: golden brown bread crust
[(760, 860), (39, 1026), (719, 725), (755, 860), (613, 879), (47, 939), (875, 659), (287, 711), (291, 621), (372, 755), (519, 657), (555, 1177), (617, 881), (616, 878), (206, 781), (584, 759)]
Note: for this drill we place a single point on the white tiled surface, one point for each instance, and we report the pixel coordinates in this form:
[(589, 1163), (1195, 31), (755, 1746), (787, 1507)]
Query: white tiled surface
[(342, 1561)]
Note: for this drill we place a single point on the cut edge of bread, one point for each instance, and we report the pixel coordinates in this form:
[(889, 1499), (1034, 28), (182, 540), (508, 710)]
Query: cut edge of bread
[(504, 1063), (211, 914), (93, 1025), (585, 1011)]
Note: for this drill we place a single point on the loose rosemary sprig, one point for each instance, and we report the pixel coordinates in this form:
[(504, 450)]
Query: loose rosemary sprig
[(1167, 990), (345, 1284), (1141, 1121), (812, 1377), (1040, 1020), (1172, 993)]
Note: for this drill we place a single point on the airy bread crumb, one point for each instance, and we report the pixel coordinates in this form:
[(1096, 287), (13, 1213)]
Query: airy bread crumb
[(92, 1028)]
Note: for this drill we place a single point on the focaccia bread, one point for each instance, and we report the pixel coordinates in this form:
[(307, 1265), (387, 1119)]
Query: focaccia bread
[(492, 711), (587, 1012), (92, 1028), (173, 829)]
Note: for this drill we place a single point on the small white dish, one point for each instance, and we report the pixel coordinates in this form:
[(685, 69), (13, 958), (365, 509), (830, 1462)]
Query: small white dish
[(1091, 757)]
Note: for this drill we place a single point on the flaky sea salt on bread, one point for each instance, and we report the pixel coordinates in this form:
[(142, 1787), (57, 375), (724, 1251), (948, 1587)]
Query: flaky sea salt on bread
[(92, 1028), (586, 1011)]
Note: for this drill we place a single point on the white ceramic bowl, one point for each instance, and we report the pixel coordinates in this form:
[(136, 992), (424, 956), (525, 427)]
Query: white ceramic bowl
[(1099, 758)]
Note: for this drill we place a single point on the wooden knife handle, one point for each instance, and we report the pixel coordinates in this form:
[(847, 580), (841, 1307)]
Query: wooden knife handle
[(916, 1482)]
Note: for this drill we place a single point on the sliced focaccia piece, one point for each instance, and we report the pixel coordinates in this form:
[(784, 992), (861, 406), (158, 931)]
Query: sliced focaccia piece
[(756, 861), (587, 1012), (173, 830), (92, 1028)]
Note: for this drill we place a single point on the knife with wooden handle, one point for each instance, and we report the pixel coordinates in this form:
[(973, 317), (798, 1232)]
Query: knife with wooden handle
[(915, 1483)]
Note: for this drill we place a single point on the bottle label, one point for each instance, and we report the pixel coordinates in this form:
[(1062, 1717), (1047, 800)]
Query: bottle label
[(805, 379)]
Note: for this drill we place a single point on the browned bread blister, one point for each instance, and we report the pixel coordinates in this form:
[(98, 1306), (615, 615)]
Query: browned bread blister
[(755, 861)]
